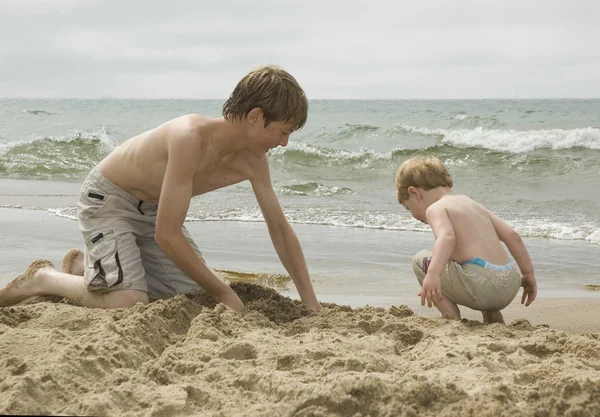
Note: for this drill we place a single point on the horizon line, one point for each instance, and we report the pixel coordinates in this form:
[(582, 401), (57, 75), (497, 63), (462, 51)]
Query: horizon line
[(310, 99)]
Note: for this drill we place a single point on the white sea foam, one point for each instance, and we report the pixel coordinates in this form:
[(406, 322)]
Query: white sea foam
[(384, 220), (514, 141), (66, 212), (541, 228), (594, 237)]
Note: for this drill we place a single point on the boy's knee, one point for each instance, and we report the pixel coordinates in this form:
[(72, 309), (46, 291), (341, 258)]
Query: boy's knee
[(420, 256), (420, 263)]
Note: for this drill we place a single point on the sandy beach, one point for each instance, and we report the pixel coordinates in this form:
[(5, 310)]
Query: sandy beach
[(188, 356)]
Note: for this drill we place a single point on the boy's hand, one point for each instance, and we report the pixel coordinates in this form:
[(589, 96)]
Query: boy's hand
[(431, 290), (529, 289)]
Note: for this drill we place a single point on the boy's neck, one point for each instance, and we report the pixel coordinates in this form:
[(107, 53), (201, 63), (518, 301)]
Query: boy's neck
[(436, 194), (229, 137)]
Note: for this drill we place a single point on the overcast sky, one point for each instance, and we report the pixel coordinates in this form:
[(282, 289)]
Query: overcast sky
[(336, 49)]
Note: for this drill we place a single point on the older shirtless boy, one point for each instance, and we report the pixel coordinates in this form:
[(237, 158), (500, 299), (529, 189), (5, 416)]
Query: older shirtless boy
[(132, 206)]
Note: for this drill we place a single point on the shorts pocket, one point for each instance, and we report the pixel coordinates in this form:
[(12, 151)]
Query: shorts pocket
[(103, 208), (90, 202), (103, 267)]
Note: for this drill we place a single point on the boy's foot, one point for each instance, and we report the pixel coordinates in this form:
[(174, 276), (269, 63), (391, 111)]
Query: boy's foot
[(490, 317), (73, 262), (25, 285)]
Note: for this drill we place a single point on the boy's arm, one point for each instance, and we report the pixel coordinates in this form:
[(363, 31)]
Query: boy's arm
[(284, 239), (175, 196), (445, 242), (445, 239), (517, 249)]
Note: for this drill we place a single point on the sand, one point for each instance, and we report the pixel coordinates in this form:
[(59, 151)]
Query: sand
[(186, 356)]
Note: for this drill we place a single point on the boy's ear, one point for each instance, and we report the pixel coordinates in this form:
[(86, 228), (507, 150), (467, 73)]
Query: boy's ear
[(413, 191), (255, 115)]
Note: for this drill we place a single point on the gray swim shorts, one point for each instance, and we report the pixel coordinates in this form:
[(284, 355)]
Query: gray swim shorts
[(121, 253), (472, 285)]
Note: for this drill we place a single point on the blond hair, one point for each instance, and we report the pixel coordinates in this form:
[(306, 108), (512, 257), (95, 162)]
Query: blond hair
[(421, 172), (272, 89)]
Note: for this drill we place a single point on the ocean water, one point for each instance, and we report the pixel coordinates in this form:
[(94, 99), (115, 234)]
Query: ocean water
[(535, 163)]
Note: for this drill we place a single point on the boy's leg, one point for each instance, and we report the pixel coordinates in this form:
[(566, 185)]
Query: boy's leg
[(42, 279), (114, 266), (420, 264), (162, 276), (447, 307), (119, 259), (492, 317), (67, 284)]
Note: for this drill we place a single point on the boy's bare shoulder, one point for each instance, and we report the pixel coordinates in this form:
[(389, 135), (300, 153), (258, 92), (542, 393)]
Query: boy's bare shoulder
[(461, 203), (188, 124), (456, 199), (453, 203), (186, 131)]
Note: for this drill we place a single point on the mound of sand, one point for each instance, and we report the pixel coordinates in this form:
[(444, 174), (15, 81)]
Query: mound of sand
[(186, 356)]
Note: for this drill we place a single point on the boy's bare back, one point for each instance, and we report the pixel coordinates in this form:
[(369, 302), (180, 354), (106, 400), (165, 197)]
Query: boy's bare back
[(473, 224)]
